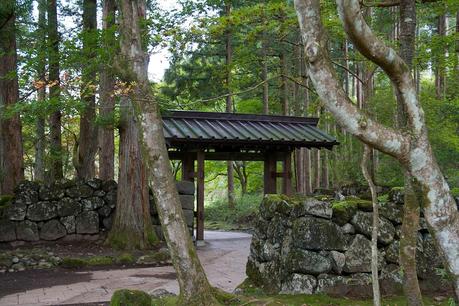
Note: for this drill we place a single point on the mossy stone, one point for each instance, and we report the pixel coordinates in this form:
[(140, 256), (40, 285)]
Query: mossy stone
[(125, 258), (71, 262), (126, 297), (343, 211), (100, 261)]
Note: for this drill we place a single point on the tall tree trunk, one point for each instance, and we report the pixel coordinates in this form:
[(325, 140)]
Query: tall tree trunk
[(107, 101), (375, 226), (229, 99), (440, 75), (264, 76), (56, 167), (194, 286), (39, 166), (87, 143), (132, 227), (283, 85), (411, 148), (409, 230), (12, 167)]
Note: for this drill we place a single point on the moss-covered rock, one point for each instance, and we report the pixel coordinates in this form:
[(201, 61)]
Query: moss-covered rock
[(100, 261), (125, 258), (397, 195), (343, 211), (126, 297), (73, 262), (311, 233)]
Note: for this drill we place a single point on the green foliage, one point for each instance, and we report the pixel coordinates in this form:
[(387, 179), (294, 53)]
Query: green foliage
[(126, 297), (125, 258), (100, 261), (241, 216), (70, 262)]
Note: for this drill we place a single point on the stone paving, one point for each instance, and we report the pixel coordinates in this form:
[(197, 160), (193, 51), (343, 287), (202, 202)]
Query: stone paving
[(224, 257)]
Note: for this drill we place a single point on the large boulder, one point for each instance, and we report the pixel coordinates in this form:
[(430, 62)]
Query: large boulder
[(187, 201), (314, 207), (42, 211), (87, 223), (16, 210), (274, 204), (79, 191), (338, 261), (357, 285), (392, 212), (51, 192), (307, 262), (185, 187), (69, 224), (299, 284), (7, 230), (92, 203), (358, 256), (363, 222), (311, 233), (263, 250), (68, 207), (52, 230), (27, 231), (265, 275)]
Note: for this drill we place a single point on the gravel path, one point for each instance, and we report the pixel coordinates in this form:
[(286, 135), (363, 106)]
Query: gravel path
[(224, 257)]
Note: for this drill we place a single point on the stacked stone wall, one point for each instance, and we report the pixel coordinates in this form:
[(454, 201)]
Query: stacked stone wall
[(318, 245), (70, 210)]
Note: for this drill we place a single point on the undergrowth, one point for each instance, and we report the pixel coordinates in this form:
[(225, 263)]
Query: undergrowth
[(220, 216)]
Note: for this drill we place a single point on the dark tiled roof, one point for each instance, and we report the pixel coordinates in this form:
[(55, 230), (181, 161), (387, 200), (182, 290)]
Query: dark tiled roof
[(182, 127)]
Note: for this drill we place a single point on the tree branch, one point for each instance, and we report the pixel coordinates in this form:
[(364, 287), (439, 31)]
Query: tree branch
[(330, 91), (385, 57)]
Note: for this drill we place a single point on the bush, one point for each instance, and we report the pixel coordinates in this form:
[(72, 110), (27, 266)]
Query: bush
[(242, 214), (126, 297), (125, 258)]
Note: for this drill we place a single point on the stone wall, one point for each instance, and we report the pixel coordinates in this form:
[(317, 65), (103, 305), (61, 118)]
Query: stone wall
[(318, 245), (70, 210)]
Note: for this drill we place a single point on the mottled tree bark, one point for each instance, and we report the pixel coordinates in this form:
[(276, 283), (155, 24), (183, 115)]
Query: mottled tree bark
[(107, 100), (413, 149), (87, 142), (11, 167), (56, 167), (409, 230), (40, 142), (194, 286)]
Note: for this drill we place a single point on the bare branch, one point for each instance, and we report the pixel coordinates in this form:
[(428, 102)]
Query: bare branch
[(330, 91)]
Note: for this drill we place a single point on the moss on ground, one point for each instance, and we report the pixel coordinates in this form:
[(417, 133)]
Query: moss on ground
[(126, 297), (100, 261), (70, 262), (125, 258), (77, 262)]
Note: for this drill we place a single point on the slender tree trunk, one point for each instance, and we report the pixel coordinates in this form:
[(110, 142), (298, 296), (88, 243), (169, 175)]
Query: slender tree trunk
[(264, 76), (375, 227), (283, 85), (107, 101), (87, 143), (229, 100), (440, 75), (40, 142), (409, 230), (131, 227), (12, 167), (412, 148), (56, 168), (194, 286), (325, 172)]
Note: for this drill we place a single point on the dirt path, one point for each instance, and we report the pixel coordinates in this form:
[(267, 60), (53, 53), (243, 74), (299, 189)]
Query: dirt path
[(224, 257)]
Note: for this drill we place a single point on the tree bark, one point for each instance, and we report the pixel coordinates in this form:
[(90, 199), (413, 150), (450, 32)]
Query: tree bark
[(132, 227), (375, 226), (40, 141), (56, 168), (107, 100), (11, 167), (409, 230), (87, 143), (229, 100), (412, 149), (194, 286)]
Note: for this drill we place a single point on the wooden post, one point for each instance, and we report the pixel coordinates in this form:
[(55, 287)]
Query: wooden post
[(287, 174), (188, 168), (200, 197), (270, 173)]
